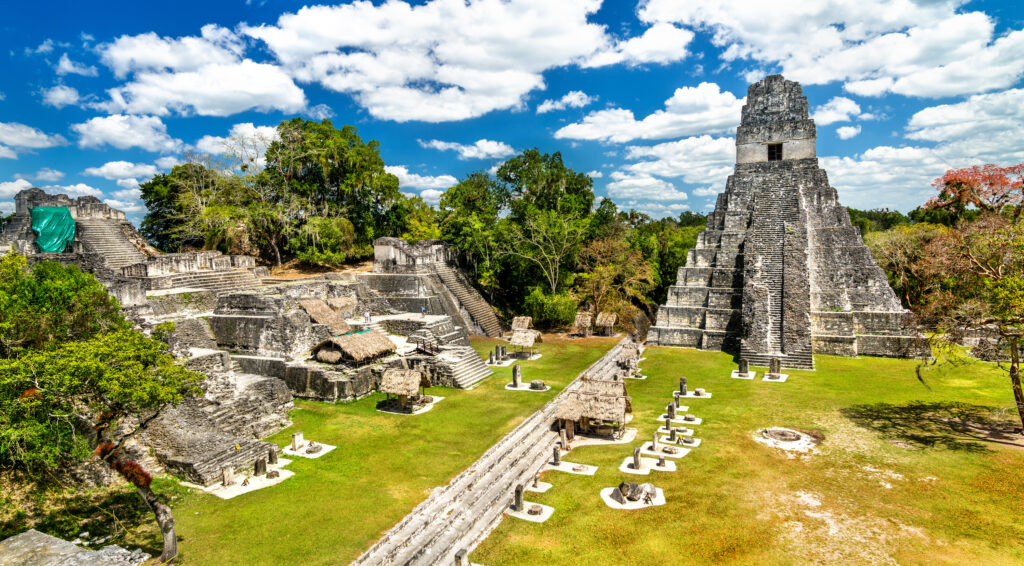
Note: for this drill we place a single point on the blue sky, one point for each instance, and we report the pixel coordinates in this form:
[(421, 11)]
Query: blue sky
[(644, 96)]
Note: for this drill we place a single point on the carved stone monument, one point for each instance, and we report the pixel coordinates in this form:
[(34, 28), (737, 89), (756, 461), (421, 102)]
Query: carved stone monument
[(744, 369), (297, 441), (272, 455), (229, 476), (682, 388), (636, 459), (670, 410), (260, 467), (517, 376), (517, 503), (557, 456)]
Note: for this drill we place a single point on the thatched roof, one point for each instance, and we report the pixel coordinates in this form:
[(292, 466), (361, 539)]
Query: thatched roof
[(521, 322), (401, 381), (629, 352), (321, 313), (357, 347), (577, 405), (606, 319), (604, 387), (524, 338), (583, 320)]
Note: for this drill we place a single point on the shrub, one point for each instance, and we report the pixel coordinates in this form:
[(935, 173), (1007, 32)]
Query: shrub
[(550, 311)]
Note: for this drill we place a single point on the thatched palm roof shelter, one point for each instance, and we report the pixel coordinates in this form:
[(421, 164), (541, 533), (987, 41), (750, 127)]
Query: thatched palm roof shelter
[(397, 381), (322, 313), (629, 354), (596, 402), (358, 348), (606, 319), (522, 322), (583, 320), (525, 339)]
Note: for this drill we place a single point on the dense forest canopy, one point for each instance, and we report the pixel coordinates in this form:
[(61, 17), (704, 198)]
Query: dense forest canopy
[(532, 235)]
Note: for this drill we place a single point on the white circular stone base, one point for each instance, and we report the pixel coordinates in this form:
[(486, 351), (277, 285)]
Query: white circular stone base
[(691, 395), (301, 452), (568, 467), (606, 495), (526, 387), (545, 513)]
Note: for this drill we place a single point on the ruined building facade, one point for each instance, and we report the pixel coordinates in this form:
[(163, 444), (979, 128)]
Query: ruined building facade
[(780, 272)]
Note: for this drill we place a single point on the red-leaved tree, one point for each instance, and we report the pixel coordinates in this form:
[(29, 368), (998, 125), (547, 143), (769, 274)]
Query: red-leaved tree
[(988, 188)]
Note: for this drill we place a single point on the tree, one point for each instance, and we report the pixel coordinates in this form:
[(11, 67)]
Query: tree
[(469, 215), (546, 239), (59, 405), (980, 270), (542, 181), (49, 303), (989, 188), (900, 252), (613, 273)]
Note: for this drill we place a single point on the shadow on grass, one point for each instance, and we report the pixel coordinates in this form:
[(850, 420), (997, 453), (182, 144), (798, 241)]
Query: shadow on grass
[(115, 515), (949, 425)]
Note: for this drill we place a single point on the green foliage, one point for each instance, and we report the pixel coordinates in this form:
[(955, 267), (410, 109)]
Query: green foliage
[(421, 221), (944, 216), (47, 304), (550, 311), (324, 241), (876, 219), (51, 400)]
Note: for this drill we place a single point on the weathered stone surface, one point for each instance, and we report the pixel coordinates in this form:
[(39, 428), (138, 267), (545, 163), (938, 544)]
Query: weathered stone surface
[(780, 272), (537, 385), (33, 548)]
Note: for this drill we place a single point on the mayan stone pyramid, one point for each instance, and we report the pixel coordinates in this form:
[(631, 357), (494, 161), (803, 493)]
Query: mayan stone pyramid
[(780, 272)]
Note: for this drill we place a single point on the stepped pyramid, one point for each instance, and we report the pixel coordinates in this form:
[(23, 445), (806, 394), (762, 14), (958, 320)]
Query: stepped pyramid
[(780, 272)]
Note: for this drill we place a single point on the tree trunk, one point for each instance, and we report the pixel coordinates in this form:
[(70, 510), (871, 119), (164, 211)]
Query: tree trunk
[(1018, 396), (165, 519), (277, 253)]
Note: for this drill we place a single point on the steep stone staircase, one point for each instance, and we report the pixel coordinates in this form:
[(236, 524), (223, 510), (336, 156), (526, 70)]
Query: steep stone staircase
[(478, 308), (460, 515), (238, 456), (466, 367), (103, 236)]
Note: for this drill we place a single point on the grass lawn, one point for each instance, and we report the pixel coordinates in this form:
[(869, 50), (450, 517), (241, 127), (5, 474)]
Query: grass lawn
[(892, 482), (385, 464)]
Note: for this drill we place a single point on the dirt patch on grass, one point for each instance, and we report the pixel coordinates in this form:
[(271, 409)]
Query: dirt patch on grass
[(818, 531)]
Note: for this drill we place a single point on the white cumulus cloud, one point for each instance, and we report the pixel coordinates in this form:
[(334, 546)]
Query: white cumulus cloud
[(114, 170), (65, 66), (126, 131), (702, 109), (642, 187), (572, 99), (480, 149), (415, 181), (660, 43), (928, 49), (839, 109), (60, 96), (10, 188), (847, 132)]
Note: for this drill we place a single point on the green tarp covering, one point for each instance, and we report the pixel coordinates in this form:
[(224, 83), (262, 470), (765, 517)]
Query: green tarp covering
[(54, 227)]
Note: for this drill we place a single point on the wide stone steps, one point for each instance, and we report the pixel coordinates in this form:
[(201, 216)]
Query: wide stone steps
[(478, 308), (104, 237), (459, 515), (210, 470), (216, 280)]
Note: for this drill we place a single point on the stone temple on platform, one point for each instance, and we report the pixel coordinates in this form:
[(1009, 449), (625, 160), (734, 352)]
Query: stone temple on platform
[(780, 272)]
